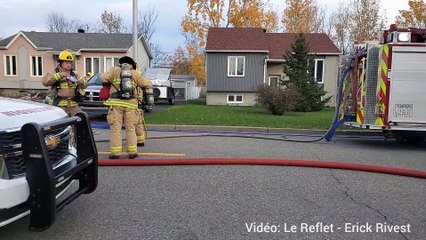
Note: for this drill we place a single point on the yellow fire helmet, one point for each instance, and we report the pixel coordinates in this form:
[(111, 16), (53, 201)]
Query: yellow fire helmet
[(66, 56)]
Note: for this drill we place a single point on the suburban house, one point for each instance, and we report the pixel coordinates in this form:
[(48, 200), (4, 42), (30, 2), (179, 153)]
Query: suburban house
[(27, 56), (238, 60)]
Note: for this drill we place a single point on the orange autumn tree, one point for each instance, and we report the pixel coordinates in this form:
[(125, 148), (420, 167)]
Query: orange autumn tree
[(189, 60), (179, 62), (414, 17), (367, 20), (302, 16), (203, 14), (252, 14), (196, 63)]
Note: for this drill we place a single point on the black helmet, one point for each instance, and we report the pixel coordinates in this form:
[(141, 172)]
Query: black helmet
[(127, 59)]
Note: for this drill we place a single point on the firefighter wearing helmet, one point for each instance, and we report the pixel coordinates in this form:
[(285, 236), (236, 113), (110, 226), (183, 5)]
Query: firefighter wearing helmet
[(123, 105), (67, 86)]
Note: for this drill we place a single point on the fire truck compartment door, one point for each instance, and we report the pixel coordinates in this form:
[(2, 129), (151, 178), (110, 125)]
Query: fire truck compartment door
[(407, 97)]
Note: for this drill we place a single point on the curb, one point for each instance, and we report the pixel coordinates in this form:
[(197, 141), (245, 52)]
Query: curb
[(243, 129), (99, 130)]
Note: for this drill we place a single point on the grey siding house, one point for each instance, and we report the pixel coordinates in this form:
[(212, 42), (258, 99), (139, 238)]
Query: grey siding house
[(238, 60), (27, 56)]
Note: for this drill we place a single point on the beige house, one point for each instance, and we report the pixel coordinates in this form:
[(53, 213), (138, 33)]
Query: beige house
[(238, 60), (27, 56)]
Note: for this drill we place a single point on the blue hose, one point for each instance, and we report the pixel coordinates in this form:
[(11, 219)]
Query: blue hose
[(336, 122)]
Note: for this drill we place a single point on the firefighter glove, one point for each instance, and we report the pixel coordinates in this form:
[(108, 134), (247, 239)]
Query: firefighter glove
[(149, 96)]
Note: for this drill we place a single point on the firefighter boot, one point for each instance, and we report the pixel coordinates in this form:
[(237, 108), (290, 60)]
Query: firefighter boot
[(133, 155), (114, 156), (141, 131)]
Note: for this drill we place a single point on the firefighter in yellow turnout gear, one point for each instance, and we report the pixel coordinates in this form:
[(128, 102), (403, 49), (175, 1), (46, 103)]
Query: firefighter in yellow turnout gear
[(66, 84), (123, 105), (141, 130)]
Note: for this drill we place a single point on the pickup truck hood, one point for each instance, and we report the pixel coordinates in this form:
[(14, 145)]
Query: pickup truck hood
[(14, 113), (94, 88)]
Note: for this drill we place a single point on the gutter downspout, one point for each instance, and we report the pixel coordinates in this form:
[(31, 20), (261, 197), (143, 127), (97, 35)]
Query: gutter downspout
[(265, 68)]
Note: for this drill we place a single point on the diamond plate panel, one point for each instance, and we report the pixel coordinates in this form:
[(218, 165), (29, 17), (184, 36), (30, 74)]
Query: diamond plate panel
[(371, 84)]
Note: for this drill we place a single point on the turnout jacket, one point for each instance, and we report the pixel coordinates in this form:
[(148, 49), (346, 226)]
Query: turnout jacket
[(66, 89), (113, 77)]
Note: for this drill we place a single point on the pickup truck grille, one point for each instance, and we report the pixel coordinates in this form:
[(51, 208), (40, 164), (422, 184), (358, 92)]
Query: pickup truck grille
[(11, 149), (92, 96)]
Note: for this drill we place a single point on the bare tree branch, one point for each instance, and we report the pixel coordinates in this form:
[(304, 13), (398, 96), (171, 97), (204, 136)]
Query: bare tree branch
[(146, 23), (111, 23), (57, 23)]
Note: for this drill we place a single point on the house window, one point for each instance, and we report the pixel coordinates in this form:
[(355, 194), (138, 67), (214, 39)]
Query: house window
[(10, 65), (110, 62), (235, 99), (92, 64), (236, 66), (36, 66), (274, 81), (319, 70)]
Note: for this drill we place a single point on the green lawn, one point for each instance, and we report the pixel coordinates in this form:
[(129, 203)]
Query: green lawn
[(198, 113)]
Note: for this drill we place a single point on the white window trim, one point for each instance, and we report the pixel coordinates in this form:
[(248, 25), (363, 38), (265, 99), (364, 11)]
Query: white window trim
[(32, 70), (273, 76), (235, 97), (85, 69), (236, 66), (11, 70), (316, 69), (105, 62)]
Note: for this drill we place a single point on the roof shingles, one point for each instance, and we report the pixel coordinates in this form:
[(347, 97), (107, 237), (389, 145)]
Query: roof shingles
[(255, 39), (236, 39), (76, 41)]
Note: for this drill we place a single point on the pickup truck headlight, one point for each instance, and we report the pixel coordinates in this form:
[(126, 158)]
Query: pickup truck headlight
[(72, 142)]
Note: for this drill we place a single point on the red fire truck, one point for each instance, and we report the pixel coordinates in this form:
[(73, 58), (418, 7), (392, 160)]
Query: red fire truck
[(383, 86)]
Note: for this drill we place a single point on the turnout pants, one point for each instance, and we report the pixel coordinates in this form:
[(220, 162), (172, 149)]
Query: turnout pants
[(72, 111), (141, 132), (116, 116), (69, 106)]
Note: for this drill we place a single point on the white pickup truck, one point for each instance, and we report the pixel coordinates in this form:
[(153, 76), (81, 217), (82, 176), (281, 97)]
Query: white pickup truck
[(42, 153)]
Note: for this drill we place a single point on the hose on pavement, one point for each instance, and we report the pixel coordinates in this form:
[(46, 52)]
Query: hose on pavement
[(263, 161)]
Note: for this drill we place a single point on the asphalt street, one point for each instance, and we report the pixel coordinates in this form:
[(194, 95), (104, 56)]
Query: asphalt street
[(243, 201)]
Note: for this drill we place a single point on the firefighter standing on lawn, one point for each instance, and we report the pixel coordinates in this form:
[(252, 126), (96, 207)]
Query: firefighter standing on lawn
[(67, 85), (123, 105)]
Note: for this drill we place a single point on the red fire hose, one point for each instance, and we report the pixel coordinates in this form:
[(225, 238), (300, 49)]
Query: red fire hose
[(260, 161)]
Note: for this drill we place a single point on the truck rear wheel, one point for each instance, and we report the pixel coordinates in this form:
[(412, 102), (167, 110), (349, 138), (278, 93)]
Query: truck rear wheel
[(171, 100), (156, 92)]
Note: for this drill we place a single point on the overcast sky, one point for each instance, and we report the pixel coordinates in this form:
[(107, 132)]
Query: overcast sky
[(30, 15)]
